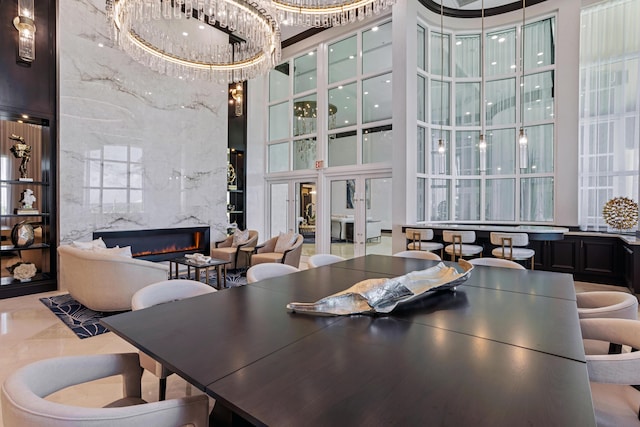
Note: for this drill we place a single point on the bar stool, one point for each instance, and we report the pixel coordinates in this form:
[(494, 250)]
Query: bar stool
[(461, 243), (511, 246), (420, 240)]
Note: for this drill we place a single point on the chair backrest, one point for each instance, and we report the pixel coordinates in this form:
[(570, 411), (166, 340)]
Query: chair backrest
[(418, 255), (496, 262), (292, 256), (318, 260), (167, 291), (503, 239), (24, 391), (105, 282), (467, 236), (415, 234), (268, 270), (612, 304), (613, 368)]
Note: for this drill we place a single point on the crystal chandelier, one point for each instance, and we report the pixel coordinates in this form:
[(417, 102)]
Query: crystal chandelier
[(142, 29), (327, 13)]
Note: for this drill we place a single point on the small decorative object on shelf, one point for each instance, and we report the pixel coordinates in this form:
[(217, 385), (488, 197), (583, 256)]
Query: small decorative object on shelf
[(23, 271), (620, 213), (231, 228), (22, 235), (21, 150), (27, 200), (231, 177)]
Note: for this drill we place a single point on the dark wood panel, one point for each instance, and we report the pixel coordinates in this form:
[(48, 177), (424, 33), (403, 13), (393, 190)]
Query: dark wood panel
[(600, 256), (28, 88), (564, 255)]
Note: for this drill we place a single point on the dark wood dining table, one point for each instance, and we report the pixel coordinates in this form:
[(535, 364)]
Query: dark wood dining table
[(503, 349)]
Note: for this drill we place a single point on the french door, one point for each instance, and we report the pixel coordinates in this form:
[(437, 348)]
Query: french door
[(360, 211), (292, 206)]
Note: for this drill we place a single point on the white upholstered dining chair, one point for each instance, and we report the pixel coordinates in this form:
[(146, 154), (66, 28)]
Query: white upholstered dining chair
[(462, 243), (160, 293), (511, 246), (615, 401), (24, 393), (318, 260), (418, 255), (420, 239), (496, 262), (268, 270)]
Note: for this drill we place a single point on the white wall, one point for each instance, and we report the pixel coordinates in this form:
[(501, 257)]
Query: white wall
[(108, 100)]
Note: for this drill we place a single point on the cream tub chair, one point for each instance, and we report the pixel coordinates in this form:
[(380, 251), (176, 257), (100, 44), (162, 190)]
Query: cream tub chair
[(105, 282)]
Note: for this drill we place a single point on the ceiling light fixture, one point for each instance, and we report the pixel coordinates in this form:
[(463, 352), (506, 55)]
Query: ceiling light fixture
[(328, 13), (140, 28), (523, 141)]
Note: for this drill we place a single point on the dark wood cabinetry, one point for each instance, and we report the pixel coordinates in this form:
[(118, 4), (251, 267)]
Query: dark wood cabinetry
[(631, 259), (28, 103), (600, 259), (27, 209)]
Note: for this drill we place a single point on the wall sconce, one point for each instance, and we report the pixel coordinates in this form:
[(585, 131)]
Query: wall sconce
[(26, 26), (237, 94)]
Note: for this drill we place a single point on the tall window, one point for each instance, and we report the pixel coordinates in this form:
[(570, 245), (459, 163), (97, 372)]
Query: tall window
[(609, 107), (350, 105), (453, 186), (293, 114)]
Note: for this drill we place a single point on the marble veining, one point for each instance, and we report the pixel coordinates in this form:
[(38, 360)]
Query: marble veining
[(138, 149)]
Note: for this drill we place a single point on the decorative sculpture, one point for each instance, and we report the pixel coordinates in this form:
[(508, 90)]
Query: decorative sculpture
[(28, 199), (21, 150), (383, 295), (620, 213)]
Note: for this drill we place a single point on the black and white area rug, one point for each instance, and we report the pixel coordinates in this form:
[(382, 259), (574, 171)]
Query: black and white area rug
[(85, 322)]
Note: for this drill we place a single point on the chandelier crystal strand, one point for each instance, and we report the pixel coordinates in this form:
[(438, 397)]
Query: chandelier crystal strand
[(328, 13), (136, 31)]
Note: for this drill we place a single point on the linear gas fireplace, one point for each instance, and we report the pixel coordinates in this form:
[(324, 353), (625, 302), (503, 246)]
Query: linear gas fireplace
[(159, 244)]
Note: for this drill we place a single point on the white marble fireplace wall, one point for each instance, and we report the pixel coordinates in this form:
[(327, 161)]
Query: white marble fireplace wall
[(138, 150)]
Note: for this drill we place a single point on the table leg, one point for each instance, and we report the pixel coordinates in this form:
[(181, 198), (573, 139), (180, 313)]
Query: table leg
[(221, 415), (218, 272), (206, 274)]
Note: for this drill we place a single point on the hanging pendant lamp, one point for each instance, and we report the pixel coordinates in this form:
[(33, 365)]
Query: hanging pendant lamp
[(441, 144), (523, 141), (482, 143)]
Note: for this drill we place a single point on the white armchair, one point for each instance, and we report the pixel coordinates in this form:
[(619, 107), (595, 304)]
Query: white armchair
[(105, 282), (23, 394)]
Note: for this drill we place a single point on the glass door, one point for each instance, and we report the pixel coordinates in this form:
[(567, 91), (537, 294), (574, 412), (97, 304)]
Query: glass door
[(293, 207), (377, 233), (360, 216)]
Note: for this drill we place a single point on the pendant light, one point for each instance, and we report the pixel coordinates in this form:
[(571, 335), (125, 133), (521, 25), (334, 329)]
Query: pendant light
[(441, 147), (523, 141), (482, 144)]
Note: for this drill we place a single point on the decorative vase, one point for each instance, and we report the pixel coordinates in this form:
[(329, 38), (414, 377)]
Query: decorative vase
[(22, 235)]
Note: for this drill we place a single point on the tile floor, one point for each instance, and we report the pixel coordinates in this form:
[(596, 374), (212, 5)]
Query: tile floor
[(30, 332)]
